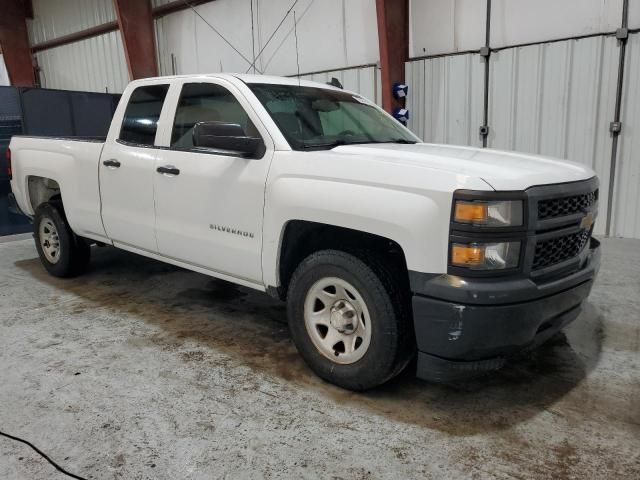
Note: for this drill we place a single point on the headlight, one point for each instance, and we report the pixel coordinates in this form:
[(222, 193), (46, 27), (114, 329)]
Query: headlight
[(485, 256), (489, 213)]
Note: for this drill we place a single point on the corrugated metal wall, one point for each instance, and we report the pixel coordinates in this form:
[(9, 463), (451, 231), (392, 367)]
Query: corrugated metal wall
[(94, 65), (4, 75), (57, 18), (186, 44), (445, 100), (97, 64), (626, 214), (365, 81), (555, 98), (332, 34)]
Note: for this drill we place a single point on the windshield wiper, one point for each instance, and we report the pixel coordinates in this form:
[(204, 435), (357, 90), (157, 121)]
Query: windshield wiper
[(322, 146), (338, 143), (401, 140)]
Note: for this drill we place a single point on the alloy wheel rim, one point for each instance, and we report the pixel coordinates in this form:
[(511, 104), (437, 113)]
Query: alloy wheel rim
[(337, 320), (49, 240)]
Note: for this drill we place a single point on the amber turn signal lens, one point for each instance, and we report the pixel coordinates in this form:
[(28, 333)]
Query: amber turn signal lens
[(471, 212), (466, 255)]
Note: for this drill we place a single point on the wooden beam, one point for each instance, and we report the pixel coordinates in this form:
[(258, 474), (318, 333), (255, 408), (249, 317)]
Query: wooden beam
[(15, 44), (138, 36), (393, 37)]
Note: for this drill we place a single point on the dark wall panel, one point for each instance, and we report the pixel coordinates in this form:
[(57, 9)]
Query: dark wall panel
[(92, 113), (47, 113), (43, 112)]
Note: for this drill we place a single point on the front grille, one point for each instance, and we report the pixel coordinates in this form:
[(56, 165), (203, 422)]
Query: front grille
[(559, 249), (560, 207)]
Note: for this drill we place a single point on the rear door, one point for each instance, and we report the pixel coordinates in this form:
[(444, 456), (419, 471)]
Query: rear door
[(209, 210), (127, 171)]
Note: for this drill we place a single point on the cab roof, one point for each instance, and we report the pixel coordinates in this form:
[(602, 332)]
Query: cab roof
[(246, 78)]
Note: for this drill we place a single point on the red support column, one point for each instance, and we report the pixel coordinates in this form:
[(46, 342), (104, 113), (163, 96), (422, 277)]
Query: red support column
[(14, 40), (138, 36), (393, 36)]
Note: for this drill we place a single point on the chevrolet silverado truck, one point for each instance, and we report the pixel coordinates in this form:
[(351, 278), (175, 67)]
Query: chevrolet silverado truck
[(386, 249)]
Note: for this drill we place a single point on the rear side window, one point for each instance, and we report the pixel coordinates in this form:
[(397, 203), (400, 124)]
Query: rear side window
[(207, 102), (141, 117)]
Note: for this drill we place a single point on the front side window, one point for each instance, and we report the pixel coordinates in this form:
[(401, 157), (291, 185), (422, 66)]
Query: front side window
[(207, 102), (313, 118), (141, 116)]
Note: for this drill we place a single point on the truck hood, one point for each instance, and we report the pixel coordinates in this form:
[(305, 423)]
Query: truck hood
[(502, 170)]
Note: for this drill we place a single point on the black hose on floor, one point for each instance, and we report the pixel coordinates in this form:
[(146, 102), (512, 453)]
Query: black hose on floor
[(42, 454)]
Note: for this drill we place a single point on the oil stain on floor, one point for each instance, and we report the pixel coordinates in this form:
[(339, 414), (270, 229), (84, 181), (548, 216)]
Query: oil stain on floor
[(143, 370)]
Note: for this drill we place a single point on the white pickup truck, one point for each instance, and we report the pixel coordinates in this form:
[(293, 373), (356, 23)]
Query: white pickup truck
[(385, 248)]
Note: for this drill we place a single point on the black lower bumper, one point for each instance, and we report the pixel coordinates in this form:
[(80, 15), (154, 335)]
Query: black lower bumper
[(473, 326)]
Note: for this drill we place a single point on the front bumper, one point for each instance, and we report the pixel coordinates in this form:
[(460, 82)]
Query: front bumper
[(465, 326)]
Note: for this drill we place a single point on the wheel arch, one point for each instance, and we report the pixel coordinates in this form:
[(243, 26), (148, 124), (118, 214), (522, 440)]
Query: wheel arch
[(42, 190), (418, 222), (301, 238)]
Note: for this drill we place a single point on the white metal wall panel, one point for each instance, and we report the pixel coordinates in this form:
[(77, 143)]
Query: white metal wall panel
[(515, 22), (56, 18), (364, 80), (626, 201), (4, 75), (446, 26), (445, 99), (556, 99), (331, 34), (96, 64), (634, 14)]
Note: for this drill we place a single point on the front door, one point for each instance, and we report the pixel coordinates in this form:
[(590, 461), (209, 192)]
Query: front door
[(209, 203), (127, 172)]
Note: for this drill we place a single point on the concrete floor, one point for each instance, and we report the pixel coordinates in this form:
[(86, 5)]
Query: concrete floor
[(141, 370)]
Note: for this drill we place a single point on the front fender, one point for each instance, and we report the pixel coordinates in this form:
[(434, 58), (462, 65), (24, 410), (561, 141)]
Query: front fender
[(416, 221)]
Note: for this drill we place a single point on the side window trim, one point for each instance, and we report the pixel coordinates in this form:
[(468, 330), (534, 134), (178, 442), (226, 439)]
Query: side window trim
[(206, 151), (139, 145)]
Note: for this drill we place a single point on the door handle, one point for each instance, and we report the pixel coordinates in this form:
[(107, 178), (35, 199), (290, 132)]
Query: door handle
[(111, 163), (168, 170)]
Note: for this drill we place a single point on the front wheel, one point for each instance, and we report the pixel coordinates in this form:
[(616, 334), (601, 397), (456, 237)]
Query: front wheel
[(347, 321), (62, 253)]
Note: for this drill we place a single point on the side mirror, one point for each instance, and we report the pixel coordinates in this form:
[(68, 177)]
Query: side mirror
[(227, 136)]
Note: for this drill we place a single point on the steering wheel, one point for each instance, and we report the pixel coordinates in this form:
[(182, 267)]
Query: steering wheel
[(347, 132)]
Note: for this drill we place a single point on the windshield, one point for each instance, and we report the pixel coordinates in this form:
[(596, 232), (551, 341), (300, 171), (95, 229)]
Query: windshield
[(315, 118)]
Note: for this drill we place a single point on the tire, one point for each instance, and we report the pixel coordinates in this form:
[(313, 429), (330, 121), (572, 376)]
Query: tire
[(318, 317), (62, 252)]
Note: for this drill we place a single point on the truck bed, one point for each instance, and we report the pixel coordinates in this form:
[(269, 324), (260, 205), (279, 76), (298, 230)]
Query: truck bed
[(72, 163), (75, 139)]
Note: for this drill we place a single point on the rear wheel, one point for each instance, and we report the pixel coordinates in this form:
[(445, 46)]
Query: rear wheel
[(62, 253), (347, 321)]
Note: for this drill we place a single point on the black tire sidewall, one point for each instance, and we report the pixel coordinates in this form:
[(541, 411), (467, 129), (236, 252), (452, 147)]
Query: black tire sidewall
[(65, 266), (379, 363)]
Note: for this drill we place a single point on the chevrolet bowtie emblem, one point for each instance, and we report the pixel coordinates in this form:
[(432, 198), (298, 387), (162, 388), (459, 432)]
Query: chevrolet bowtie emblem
[(587, 221)]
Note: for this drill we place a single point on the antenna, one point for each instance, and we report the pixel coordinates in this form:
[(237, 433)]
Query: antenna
[(253, 40), (295, 32), (271, 36)]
